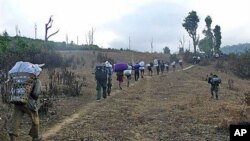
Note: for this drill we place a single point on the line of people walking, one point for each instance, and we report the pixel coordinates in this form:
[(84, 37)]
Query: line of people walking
[(103, 74)]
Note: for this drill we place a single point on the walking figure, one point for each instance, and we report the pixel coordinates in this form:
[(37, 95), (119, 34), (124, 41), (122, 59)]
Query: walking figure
[(215, 81)]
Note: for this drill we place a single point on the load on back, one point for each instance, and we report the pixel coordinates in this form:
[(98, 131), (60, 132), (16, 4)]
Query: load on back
[(22, 79)]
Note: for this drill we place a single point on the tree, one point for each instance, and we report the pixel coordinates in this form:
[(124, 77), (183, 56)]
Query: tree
[(204, 46), (166, 50), (47, 27), (181, 45), (90, 37), (207, 44), (217, 38), (191, 25)]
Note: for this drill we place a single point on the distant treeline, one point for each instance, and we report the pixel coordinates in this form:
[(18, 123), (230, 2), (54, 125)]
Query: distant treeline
[(19, 48), (240, 48)]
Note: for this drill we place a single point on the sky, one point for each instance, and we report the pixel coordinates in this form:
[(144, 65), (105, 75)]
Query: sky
[(116, 21)]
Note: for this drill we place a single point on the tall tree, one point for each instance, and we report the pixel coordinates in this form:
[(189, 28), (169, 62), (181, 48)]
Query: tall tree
[(191, 25), (207, 44), (47, 27), (217, 36)]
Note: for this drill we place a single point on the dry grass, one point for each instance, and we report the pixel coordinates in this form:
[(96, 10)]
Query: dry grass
[(174, 107)]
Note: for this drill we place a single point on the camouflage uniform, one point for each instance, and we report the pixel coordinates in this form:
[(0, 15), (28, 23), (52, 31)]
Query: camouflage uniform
[(214, 87), (214, 90), (31, 109)]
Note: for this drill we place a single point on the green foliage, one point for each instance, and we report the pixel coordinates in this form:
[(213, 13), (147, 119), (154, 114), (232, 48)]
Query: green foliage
[(4, 42), (166, 50), (15, 49), (191, 25), (205, 46), (217, 36), (208, 21)]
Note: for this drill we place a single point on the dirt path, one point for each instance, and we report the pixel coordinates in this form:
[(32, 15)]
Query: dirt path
[(65, 122)]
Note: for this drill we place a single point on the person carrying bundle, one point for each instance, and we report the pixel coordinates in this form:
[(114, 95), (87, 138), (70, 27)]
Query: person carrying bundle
[(128, 73), (109, 83), (173, 65), (119, 68), (215, 81), (157, 65), (101, 76), (149, 67), (142, 68), (24, 94), (181, 63), (137, 72)]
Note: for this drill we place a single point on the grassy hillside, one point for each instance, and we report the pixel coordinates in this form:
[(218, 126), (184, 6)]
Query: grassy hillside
[(170, 106), (90, 57)]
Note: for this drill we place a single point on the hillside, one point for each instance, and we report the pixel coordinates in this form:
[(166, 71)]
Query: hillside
[(239, 48), (172, 106)]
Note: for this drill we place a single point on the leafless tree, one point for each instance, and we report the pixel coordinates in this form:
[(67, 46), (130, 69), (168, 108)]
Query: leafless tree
[(67, 39), (47, 27), (18, 32), (182, 42), (90, 37)]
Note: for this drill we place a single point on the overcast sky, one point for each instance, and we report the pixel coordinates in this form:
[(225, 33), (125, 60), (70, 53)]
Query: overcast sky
[(114, 21)]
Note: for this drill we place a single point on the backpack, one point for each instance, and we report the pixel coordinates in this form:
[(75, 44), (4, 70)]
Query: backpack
[(101, 73), (22, 84), (215, 80)]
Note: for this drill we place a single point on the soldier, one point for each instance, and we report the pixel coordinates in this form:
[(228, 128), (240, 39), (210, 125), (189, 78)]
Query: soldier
[(214, 80), (128, 73), (30, 107), (101, 76)]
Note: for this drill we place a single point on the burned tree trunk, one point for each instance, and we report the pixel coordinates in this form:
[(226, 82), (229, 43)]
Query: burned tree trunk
[(47, 27)]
